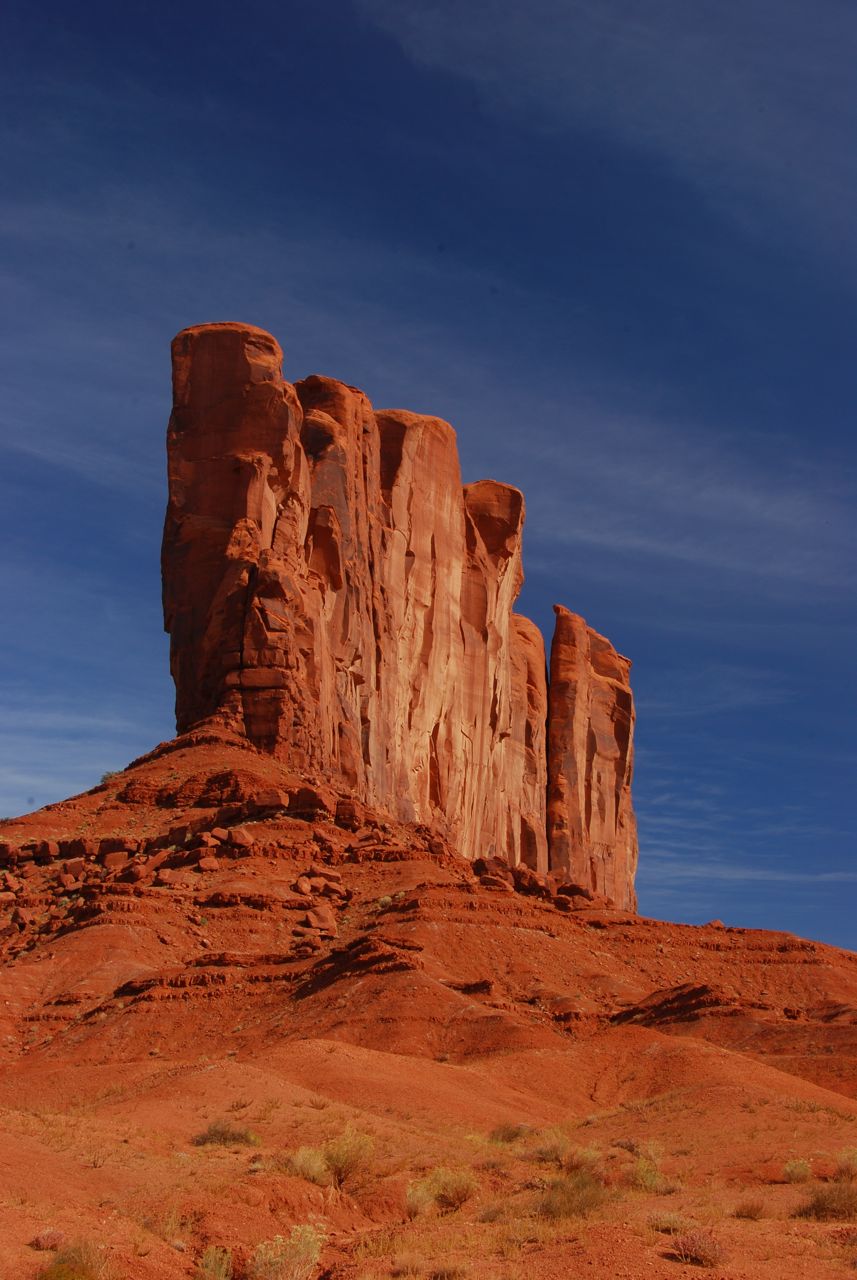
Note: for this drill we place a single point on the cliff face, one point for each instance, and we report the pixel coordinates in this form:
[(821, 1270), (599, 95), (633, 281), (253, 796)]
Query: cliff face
[(334, 594)]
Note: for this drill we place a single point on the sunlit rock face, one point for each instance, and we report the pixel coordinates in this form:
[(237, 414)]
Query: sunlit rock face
[(336, 596), (592, 832)]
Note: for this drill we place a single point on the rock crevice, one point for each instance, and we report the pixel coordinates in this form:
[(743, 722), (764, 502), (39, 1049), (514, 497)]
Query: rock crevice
[(334, 594)]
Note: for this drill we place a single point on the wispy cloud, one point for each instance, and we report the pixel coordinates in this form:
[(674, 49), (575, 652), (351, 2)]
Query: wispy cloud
[(753, 103)]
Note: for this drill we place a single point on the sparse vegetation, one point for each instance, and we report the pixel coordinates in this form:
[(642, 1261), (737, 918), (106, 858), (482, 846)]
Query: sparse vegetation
[(308, 1163), (836, 1202), (448, 1189), (338, 1161), (699, 1248), (846, 1167), (215, 1264), (668, 1224), (797, 1171), (646, 1176), (347, 1155), (79, 1261), (508, 1133), (223, 1134), (553, 1148), (573, 1196), (292, 1257), (750, 1209)]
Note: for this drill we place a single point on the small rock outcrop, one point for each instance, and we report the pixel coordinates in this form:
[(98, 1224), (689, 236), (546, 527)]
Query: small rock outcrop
[(337, 597)]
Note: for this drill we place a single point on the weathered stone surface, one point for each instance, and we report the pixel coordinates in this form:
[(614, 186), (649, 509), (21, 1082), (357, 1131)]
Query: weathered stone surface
[(592, 832), (337, 597)]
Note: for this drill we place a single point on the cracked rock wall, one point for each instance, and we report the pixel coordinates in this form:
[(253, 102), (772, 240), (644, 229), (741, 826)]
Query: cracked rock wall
[(335, 594)]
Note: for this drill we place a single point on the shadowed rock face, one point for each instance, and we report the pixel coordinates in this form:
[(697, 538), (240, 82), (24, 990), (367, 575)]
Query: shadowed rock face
[(336, 596)]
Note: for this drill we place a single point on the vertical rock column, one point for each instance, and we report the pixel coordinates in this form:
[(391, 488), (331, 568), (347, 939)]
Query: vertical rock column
[(591, 830), (238, 505)]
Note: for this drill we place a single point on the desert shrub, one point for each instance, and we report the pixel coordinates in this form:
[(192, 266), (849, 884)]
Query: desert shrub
[(79, 1261), (492, 1212), (346, 1155), (215, 1264), (287, 1258), (418, 1197), (797, 1171), (836, 1202), (699, 1248), (309, 1163), (646, 1176), (509, 1132), (408, 1266), (581, 1158), (338, 1161), (668, 1224), (449, 1189), (553, 1147), (572, 1196), (448, 1271), (750, 1208), (846, 1167), (222, 1133)]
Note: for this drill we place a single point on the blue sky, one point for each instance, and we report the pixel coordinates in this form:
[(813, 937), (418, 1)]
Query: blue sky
[(612, 243)]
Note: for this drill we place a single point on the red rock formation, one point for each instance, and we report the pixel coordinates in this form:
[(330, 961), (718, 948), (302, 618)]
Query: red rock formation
[(592, 833), (335, 596)]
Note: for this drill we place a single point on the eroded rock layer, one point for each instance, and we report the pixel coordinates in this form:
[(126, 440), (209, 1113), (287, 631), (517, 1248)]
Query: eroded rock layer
[(335, 595)]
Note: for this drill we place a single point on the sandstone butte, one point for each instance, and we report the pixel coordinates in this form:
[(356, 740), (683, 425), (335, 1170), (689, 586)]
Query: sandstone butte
[(261, 938), (337, 597)]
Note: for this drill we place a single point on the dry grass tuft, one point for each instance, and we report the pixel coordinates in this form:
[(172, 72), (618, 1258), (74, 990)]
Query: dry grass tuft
[(347, 1155), (797, 1171), (308, 1163), (573, 1196), (292, 1257), (846, 1167), (448, 1189), (79, 1261), (508, 1133), (750, 1209), (338, 1161), (215, 1264), (836, 1202), (668, 1224), (223, 1134)]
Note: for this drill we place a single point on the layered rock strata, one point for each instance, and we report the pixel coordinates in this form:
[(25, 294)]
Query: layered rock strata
[(335, 595)]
